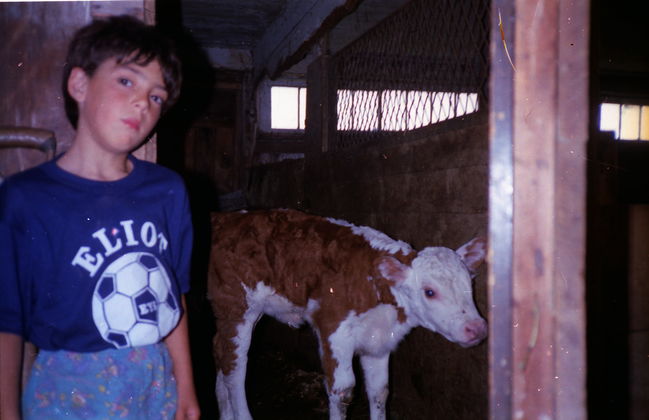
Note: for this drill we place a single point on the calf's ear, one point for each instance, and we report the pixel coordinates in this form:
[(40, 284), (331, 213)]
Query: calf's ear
[(473, 254), (392, 269)]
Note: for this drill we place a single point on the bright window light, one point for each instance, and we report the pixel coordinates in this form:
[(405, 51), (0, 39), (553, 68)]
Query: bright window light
[(302, 109), (394, 104), (345, 109), (644, 123), (630, 122), (609, 119), (288, 107), (400, 110), (626, 121), (420, 109), (358, 110)]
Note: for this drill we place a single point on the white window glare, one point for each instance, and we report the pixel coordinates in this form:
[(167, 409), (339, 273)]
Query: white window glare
[(358, 110), (609, 119), (394, 105), (626, 121), (301, 122), (467, 103), (420, 112), (288, 107), (366, 117), (345, 109), (630, 122), (400, 110), (443, 106)]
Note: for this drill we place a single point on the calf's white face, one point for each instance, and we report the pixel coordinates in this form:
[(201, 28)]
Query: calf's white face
[(436, 291)]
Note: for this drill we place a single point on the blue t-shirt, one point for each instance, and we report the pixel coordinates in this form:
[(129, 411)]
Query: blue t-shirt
[(88, 265)]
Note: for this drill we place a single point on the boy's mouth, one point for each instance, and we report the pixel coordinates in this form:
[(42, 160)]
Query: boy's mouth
[(133, 123)]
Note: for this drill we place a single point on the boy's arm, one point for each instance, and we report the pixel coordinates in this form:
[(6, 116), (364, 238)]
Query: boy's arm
[(178, 344), (11, 354)]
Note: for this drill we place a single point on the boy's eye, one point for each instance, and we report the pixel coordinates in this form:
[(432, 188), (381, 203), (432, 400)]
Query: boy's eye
[(157, 99), (125, 82)]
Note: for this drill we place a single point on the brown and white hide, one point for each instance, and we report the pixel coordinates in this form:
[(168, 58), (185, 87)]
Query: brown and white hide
[(360, 291)]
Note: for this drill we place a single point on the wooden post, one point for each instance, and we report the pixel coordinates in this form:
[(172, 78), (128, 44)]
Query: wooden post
[(321, 106), (549, 129), (501, 203)]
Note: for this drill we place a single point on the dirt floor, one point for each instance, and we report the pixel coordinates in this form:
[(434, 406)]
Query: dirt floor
[(284, 380), (284, 390)]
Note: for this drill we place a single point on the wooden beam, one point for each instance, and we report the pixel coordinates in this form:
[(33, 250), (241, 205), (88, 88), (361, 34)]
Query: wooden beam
[(230, 58), (501, 207), (141, 9), (291, 36), (281, 144), (573, 114), (537, 263)]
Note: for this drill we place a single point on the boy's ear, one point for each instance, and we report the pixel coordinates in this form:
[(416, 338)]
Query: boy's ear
[(78, 84)]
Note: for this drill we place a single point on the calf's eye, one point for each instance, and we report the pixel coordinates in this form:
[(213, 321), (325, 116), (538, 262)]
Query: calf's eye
[(430, 293)]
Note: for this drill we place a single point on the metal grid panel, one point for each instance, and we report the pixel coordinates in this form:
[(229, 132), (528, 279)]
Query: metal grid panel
[(425, 64)]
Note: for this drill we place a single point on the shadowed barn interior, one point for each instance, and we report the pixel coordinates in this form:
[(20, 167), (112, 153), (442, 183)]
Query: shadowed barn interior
[(426, 185), (393, 133)]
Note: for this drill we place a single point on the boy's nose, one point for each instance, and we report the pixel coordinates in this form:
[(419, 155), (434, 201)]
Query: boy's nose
[(141, 101)]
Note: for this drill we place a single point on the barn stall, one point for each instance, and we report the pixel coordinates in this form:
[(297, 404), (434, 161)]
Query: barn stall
[(396, 138), (423, 179)]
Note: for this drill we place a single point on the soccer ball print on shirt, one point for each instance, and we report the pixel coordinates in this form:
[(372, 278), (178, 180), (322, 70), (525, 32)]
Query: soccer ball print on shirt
[(132, 304)]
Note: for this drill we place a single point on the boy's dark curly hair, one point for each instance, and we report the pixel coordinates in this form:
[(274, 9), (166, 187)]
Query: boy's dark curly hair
[(128, 40)]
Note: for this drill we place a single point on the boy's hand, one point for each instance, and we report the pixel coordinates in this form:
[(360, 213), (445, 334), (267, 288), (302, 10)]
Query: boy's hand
[(11, 354), (187, 408), (178, 344)]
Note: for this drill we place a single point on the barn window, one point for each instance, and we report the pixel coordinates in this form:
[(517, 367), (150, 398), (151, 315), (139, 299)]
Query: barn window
[(288, 107), (400, 110), (626, 121), (423, 69)]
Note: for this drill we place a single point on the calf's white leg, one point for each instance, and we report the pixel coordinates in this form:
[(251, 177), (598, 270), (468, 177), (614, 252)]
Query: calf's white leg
[(231, 388), (339, 399), (375, 373), (226, 411), (342, 385)]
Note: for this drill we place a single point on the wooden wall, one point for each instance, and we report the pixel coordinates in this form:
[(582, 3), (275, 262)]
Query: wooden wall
[(31, 64), (638, 331), (618, 334)]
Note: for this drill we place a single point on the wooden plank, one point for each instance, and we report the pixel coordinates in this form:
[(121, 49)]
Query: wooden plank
[(321, 106), (99, 9), (230, 58), (550, 132), (570, 214), (294, 33), (535, 99), (280, 145), (36, 37), (501, 203)]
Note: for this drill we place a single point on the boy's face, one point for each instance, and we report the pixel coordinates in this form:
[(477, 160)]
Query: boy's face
[(118, 105)]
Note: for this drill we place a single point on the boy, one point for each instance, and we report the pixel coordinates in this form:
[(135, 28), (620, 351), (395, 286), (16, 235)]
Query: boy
[(95, 247)]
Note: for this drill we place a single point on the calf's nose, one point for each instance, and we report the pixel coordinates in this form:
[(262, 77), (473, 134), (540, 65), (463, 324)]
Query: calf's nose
[(475, 330)]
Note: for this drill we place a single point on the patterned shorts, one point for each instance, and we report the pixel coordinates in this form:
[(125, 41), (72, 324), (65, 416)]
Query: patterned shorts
[(134, 383)]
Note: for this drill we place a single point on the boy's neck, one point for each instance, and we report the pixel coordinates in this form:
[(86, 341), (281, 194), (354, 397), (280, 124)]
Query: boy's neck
[(108, 167)]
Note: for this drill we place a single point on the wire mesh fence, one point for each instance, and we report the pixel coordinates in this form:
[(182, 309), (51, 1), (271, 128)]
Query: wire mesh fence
[(425, 64)]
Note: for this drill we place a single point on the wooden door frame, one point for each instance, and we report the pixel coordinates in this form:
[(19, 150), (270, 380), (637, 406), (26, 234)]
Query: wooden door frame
[(537, 196)]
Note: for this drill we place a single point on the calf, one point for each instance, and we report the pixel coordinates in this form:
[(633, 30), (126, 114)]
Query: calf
[(360, 290)]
